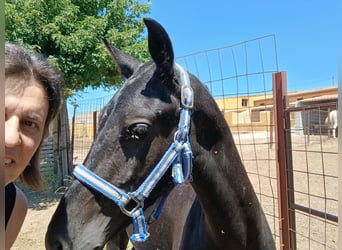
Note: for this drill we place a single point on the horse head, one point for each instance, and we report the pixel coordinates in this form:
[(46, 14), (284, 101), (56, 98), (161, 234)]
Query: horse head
[(135, 129), (160, 116)]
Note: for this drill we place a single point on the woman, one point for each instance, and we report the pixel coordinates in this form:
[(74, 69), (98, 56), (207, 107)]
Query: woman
[(32, 100)]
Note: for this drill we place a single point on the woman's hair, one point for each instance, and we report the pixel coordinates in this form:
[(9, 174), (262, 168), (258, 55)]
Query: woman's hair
[(21, 64)]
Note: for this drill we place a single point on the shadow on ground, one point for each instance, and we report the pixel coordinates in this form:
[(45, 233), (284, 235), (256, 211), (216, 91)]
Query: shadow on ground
[(39, 200)]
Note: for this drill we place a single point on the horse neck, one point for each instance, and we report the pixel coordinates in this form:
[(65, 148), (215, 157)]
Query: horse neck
[(220, 181), (218, 173)]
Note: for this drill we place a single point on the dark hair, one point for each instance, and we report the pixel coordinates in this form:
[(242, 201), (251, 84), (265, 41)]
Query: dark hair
[(19, 63)]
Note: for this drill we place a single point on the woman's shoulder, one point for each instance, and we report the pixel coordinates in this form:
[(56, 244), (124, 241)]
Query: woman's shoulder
[(20, 205), (21, 200)]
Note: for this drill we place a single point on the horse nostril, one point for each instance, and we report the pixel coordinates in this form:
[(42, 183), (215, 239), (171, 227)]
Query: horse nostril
[(53, 243), (55, 246), (58, 246)]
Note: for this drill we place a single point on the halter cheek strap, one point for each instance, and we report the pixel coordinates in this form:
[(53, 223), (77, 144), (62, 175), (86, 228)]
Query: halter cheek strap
[(179, 155)]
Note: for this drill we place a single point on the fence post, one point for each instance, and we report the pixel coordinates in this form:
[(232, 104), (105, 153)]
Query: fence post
[(94, 124), (72, 138), (279, 100)]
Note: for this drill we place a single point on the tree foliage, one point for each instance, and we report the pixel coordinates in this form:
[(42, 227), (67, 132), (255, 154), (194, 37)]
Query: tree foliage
[(69, 32)]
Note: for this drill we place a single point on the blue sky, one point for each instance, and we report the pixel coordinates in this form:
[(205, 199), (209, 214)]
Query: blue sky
[(308, 33)]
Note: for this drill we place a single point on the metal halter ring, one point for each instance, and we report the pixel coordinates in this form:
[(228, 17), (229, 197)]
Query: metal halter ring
[(138, 204)]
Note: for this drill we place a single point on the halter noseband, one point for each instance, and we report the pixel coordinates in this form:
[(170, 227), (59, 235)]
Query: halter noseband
[(179, 154)]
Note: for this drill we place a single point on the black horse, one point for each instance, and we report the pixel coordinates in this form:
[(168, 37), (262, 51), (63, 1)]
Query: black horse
[(216, 209)]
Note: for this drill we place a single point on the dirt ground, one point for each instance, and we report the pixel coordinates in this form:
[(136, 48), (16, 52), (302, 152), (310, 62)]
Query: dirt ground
[(321, 156), (41, 208)]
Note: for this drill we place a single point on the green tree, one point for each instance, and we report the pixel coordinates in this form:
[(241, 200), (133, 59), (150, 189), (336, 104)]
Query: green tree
[(69, 32)]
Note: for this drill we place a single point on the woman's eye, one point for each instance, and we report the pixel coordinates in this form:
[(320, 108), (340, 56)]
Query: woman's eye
[(29, 124), (138, 131)]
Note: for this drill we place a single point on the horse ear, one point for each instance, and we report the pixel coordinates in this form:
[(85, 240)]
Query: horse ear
[(160, 46), (127, 64)]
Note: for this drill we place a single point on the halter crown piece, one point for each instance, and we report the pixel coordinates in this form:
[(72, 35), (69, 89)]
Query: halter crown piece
[(179, 155)]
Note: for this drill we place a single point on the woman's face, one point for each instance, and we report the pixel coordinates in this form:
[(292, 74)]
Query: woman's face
[(26, 109)]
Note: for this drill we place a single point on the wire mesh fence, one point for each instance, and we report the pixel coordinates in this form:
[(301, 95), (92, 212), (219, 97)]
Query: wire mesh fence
[(83, 125), (314, 178)]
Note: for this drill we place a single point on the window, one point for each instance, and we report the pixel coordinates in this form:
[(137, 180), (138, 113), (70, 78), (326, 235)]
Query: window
[(244, 102)]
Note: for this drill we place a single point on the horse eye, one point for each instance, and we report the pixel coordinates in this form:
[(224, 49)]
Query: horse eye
[(138, 131)]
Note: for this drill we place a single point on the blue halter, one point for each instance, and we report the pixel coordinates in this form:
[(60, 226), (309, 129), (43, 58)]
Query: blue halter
[(179, 154)]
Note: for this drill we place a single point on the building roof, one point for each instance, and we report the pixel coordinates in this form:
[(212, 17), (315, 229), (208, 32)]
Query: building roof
[(323, 98), (313, 91)]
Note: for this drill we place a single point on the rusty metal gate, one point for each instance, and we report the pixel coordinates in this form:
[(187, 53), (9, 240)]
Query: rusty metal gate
[(307, 170)]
